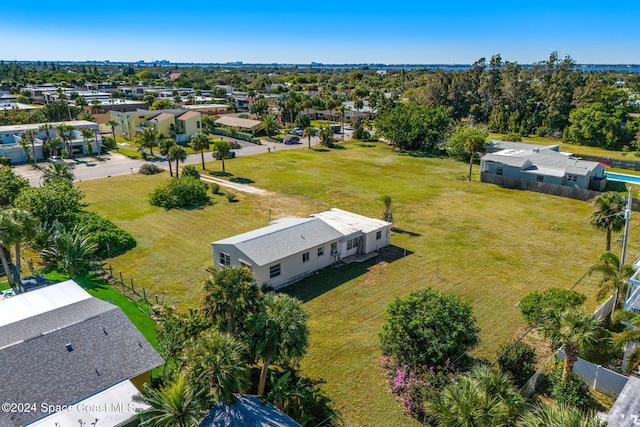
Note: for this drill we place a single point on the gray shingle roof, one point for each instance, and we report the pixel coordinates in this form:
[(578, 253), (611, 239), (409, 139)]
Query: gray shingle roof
[(555, 163), (247, 411), (283, 238), (37, 367)]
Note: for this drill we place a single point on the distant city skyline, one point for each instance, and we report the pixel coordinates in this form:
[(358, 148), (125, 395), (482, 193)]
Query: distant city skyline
[(330, 32)]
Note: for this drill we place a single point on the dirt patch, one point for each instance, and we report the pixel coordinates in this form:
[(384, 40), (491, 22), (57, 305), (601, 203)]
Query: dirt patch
[(376, 274)]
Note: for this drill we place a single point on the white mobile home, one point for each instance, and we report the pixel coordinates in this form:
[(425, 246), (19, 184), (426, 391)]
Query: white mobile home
[(290, 249)]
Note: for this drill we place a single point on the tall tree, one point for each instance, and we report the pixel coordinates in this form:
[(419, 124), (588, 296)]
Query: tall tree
[(228, 292), (21, 227), (468, 140), (174, 404), (147, 138), (575, 330), (215, 365), (87, 135), (269, 125), (613, 276), (177, 154), (280, 333), (221, 151), (65, 132), (113, 124), (30, 135), (46, 128), (200, 142), (165, 145), (309, 132), (609, 214)]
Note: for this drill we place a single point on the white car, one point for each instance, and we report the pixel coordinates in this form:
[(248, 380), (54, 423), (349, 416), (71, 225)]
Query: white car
[(56, 159)]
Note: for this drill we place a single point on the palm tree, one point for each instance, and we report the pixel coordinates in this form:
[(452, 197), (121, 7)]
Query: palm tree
[(178, 154), (280, 333), (200, 142), (113, 124), (215, 365), (46, 128), (559, 416), (23, 228), (66, 133), (574, 330), (269, 125), (147, 138), (221, 151), (165, 145), (30, 135), (475, 139), (483, 397), (326, 136), (609, 214), (228, 292), (309, 132), (172, 405), (58, 170), (613, 276), (71, 249), (87, 135), (9, 235)]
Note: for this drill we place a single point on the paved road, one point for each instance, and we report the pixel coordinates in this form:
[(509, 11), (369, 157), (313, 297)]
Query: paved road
[(114, 163)]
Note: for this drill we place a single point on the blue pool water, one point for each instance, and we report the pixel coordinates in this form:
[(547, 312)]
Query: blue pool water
[(612, 176)]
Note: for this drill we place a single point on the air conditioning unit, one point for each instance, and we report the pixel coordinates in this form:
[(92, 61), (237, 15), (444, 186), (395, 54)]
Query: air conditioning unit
[(334, 251)]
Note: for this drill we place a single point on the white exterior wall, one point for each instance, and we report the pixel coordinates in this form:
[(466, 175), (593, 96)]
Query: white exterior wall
[(373, 244), (291, 267)]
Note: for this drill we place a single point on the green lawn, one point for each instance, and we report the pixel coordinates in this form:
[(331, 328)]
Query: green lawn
[(487, 245)]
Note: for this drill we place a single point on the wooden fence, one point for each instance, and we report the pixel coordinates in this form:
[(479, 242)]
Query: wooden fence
[(538, 187)]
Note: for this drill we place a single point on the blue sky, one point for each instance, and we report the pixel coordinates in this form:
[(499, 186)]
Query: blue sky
[(322, 31)]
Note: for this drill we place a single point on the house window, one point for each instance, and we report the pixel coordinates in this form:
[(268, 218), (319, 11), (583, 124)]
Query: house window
[(225, 259), (274, 271), (334, 248), (305, 257), (349, 244), (498, 170), (198, 124), (245, 265), (378, 234), (539, 178), (321, 251), (352, 243)]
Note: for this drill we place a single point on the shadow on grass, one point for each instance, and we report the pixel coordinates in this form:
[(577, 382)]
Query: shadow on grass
[(220, 173), (616, 186), (320, 150), (401, 231), (421, 154), (240, 180), (331, 277), (90, 281)]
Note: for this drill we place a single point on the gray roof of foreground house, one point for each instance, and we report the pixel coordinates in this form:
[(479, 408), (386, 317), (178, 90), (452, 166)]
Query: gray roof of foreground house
[(283, 238), (496, 145), (64, 355), (247, 411)]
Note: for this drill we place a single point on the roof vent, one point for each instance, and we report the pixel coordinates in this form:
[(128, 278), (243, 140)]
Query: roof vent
[(69, 348)]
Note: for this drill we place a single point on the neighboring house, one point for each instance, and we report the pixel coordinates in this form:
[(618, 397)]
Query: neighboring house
[(244, 125), (495, 145), (17, 106), (179, 123), (122, 105), (208, 109), (290, 249), (60, 347), (632, 297), (10, 137), (247, 411), (544, 165)]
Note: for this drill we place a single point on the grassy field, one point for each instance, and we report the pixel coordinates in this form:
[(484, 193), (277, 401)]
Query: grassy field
[(487, 245)]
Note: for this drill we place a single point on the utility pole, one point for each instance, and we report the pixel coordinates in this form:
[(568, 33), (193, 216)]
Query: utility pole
[(625, 236)]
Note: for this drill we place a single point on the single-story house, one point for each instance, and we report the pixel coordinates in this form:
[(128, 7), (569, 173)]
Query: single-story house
[(247, 411), (290, 249), (74, 357), (243, 125), (544, 165)]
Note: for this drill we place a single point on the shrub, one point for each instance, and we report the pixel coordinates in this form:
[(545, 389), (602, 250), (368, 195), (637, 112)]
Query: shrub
[(534, 305), (111, 239), (5, 160), (190, 170), (109, 143), (231, 197), (215, 188), (182, 192), (149, 169), (519, 359), (574, 392)]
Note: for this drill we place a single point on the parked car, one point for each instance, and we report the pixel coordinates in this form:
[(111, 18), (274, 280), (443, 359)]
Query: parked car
[(56, 159), (291, 140)]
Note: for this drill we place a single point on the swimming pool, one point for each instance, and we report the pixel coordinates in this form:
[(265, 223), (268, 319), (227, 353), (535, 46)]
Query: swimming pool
[(612, 176)]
